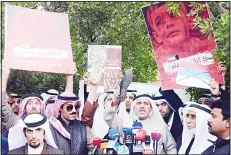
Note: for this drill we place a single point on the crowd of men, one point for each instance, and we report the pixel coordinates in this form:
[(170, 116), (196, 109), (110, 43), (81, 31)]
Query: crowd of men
[(118, 121)]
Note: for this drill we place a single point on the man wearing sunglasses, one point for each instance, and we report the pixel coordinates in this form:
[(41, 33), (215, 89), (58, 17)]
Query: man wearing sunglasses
[(70, 135)]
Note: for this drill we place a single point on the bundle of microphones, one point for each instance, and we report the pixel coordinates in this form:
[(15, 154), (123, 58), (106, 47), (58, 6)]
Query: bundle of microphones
[(136, 141)]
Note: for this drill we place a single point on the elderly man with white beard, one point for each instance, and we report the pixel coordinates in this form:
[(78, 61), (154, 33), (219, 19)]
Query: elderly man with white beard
[(196, 137), (147, 113)]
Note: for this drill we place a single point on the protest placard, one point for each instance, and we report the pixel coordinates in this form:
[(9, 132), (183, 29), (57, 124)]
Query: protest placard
[(37, 41), (174, 38), (190, 73), (112, 67)]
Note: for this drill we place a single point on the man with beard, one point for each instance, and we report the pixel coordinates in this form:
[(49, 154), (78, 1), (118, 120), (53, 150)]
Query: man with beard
[(195, 136), (219, 125), (33, 104), (33, 136), (29, 104)]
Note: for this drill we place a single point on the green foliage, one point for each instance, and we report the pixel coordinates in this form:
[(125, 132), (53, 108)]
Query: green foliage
[(196, 93), (173, 7), (93, 23), (219, 24), (117, 23)]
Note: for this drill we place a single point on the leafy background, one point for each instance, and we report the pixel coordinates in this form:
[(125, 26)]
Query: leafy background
[(116, 23)]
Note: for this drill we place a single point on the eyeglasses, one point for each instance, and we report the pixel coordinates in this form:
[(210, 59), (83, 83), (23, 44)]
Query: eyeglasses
[(70, 107)]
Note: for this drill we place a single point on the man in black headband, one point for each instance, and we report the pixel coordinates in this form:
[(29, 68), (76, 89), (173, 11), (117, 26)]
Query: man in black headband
[(168, 103), (73, 136), (33, 137), (206, 99), (195, 137), (146, 112), (15, 102)]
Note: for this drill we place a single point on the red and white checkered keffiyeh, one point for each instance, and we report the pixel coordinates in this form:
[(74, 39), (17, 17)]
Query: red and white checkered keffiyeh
[(52, 112), (23, 105)]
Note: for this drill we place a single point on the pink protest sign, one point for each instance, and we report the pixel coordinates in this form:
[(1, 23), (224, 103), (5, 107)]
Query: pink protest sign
[(175, 38), (37, 40)]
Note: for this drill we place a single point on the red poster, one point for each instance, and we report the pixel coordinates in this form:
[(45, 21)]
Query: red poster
[(112, 66), (112, 79), (37, 40), (175, 38)]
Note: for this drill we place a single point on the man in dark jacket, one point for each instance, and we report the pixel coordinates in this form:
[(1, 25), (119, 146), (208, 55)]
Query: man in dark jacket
[(168, 103), (219, 124), (33, 136)]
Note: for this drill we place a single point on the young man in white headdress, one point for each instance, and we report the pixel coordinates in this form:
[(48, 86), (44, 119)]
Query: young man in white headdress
[(168, 103), (146, 112), (125, 106), (196, 137), (33, 136), (100, 127)]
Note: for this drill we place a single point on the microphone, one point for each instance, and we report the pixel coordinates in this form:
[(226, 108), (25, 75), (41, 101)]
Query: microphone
[(113, 135), (96, 143), (123, 149), (103, 144), (140, 136), (147, 141), (128, 139), (137, 125), (127, 130), (155, 137)]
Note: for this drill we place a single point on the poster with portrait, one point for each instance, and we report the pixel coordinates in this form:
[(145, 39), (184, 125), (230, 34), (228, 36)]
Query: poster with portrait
[(112, 66), (37, 41), (175, 38)]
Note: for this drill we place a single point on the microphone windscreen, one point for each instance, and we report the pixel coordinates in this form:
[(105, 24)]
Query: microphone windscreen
[(147, 139), (103, 146), (113, 134), (155, 136), (137, 125), (97, 142), (127, 130), (123, 149), (140, 135)]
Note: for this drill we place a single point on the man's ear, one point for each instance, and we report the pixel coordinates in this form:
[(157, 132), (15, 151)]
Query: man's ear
[(227, 123), (156, 37), (190, 22)]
